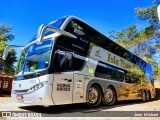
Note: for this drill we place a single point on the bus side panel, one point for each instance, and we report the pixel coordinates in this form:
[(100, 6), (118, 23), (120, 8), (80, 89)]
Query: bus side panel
[(63, 88), (78, 88), (132, 91)]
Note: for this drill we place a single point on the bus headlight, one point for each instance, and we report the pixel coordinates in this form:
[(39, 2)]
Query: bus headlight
[(37, 86)]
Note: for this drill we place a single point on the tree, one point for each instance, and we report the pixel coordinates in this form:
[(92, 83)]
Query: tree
[(6, 67), (145, 43)]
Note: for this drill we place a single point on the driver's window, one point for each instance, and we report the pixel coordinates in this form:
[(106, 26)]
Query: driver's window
[(63, 62), (67, 62)]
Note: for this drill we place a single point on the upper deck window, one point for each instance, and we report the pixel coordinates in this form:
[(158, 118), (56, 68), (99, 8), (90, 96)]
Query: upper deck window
[(56, 24)]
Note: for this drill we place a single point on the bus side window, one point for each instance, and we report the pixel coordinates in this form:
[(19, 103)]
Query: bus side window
[(108, 72), (78, 63), (132, 77), (67, 62)]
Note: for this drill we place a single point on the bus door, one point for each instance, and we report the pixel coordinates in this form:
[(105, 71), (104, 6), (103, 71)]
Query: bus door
[(78, 91), (63, 79)]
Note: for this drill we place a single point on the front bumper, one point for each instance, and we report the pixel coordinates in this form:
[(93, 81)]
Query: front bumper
[(41, 96)]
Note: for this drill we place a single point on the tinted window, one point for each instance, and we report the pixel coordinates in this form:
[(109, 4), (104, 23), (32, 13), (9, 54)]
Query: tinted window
[(137, 76), (77, 46), (148, 72), (132, 77), (108, 72), (73, 64), (85, 32), (56, 24), (78, 63), (88, 33)]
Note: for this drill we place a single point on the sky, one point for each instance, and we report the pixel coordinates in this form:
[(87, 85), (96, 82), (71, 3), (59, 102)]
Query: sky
[(25, 16)]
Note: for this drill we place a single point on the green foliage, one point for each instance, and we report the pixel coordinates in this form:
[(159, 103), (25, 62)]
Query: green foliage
[(156, 70), (145, 43), (136, 75), (148, 13), (6, 67)]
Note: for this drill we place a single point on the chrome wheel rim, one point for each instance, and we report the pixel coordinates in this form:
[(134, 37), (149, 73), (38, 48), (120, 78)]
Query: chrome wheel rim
[(109, 95), (93, 95)]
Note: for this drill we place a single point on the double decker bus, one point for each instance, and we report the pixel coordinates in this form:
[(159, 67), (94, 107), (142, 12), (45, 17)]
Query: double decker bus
[(70, 62)]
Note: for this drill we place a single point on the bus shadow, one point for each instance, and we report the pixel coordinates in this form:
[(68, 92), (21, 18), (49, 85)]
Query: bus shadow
[(82, 108), (73, 108)]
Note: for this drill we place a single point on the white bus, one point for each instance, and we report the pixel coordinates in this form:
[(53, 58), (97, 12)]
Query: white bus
[(70, 62)]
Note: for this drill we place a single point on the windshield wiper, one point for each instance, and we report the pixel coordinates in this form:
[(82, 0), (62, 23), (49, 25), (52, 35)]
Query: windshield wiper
[(35, 72)]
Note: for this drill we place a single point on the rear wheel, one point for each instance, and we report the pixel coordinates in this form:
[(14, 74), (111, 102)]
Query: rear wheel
[(144, 96), (148, 97), (94, 96), (109, 97)]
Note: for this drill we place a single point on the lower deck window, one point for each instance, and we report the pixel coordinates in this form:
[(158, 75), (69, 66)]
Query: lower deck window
[(109, 72), (75, 63)]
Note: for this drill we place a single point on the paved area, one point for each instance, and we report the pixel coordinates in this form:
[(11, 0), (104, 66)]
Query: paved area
[(77, 111), (81, 112)]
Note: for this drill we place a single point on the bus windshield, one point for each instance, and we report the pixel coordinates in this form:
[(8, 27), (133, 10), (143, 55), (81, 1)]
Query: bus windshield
[(36, 57)]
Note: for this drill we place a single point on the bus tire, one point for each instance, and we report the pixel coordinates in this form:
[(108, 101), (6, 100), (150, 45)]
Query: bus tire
[(148, 96), (94, 96), (144, 96), (109, 97)]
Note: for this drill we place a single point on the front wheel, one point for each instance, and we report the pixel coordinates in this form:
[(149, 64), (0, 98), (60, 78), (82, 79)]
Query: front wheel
[(94, 96), (109, 97)]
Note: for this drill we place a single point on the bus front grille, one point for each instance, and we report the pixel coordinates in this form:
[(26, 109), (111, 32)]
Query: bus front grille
[(21, 91)]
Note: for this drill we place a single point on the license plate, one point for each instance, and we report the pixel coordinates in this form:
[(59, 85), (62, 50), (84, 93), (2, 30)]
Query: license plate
[(19, 97)]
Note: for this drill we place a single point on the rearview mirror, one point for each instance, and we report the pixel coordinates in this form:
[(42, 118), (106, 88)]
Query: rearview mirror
[(43, 28)]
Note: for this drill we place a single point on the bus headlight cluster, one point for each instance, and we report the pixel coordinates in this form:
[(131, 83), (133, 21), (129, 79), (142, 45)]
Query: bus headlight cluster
[(38, 86)]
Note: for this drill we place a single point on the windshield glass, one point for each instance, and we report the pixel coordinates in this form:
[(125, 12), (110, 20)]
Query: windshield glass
[(35, 57)]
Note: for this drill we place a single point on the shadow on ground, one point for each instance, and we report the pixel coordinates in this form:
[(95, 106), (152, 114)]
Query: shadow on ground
[(73, 108), (82, 108)]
